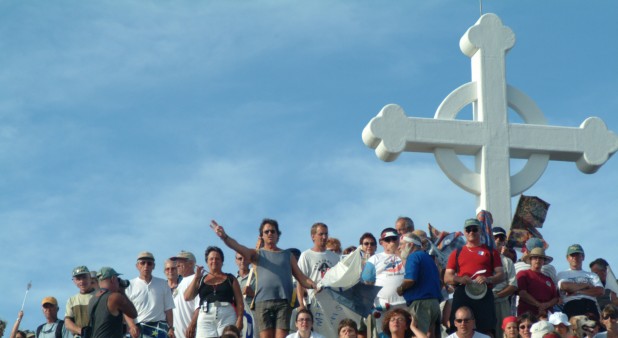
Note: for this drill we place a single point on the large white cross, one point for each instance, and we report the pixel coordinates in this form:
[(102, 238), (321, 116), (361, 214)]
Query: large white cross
[(488, 136)]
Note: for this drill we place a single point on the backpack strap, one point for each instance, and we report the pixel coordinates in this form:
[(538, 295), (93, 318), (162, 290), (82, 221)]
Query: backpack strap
[(59, 327), (38, 330), (457, 259)]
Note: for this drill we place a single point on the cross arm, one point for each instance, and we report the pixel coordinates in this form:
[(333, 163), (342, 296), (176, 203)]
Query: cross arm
[(392, 132), (590, 145)]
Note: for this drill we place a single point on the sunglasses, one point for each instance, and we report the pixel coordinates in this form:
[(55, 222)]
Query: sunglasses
[(146, 263), (463, 320), (309, 320), (390, 239), (369, 243), (472, 229), (612, 316), (523, 327), (268, 232)]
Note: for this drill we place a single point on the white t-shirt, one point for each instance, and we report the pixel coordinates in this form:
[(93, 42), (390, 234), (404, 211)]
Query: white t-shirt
[(315, 264), (578, 276), (476, 335), (389, 271), (150, 299), (183, 310), (313, 335)]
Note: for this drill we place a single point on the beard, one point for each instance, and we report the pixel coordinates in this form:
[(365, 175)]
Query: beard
[(405, 251)]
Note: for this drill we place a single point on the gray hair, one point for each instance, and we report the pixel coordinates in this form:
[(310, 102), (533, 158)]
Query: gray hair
[(408, 221)]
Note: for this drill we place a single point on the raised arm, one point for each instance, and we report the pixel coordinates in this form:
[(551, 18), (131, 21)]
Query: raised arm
[(20, 315), (249, 254), (193, 288)]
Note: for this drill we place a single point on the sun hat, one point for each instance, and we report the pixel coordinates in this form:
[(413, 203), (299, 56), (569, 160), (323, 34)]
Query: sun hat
[(537, 252), (558, 318), (540, 328)]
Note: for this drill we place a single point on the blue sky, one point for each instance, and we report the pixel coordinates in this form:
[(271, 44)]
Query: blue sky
[(128, 125)]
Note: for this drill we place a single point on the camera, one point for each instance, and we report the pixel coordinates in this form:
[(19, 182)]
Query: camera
[(124, 283)]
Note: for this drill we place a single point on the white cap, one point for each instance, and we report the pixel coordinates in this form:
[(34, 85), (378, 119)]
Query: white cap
[(540, 328), (558, 318)]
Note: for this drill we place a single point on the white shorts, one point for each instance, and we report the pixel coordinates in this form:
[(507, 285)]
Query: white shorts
[(210, 324)]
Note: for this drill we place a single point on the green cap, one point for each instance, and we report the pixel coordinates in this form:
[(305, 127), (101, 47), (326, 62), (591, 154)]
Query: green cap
[(107, 272), (575, 248), (80, 270), (472, 222)]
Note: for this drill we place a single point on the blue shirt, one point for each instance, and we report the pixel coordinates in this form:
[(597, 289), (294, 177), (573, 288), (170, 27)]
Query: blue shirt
[(421, 268)]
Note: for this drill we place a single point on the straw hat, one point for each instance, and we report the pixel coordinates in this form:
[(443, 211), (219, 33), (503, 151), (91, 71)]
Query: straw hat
[(537, 252)]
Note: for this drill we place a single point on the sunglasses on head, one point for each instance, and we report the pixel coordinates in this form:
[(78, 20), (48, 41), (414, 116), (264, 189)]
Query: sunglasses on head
[(472, 229)]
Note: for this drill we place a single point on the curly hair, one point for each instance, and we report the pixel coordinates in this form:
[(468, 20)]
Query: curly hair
[(392, 313)]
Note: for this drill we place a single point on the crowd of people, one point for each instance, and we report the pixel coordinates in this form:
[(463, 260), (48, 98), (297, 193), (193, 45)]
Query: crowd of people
[(482, 290)]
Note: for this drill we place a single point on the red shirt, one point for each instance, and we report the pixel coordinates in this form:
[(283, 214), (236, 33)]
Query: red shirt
[(539, 286), (474, 259)]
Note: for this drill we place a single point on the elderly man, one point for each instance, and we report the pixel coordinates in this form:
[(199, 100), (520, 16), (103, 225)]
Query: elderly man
[(53, 327), (474, 266), (421, 285), (183, 309), (153, 300), (404, 225), (579, 288), (464, 321), (76, 314), (109, 305), (503, 290), (316, 261)]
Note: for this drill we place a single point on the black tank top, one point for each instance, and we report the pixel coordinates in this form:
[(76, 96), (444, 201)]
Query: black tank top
[(222, 292), (105, 324)]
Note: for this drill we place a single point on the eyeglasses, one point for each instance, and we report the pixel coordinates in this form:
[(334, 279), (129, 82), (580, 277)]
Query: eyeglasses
[(397, 319), (463, 320), (309, 320), (472, 229), (523, 326), (369, 243), (146, 263), (269, 231)]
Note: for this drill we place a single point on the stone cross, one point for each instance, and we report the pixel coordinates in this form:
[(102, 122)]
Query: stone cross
[(488, 136)]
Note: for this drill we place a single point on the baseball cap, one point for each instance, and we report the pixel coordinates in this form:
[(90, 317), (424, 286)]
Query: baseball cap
[(472, 222), (184, 255), (558, 318), (498, 231), (49, 300), (389, 232), (540, 328), (575, 248), (145, 255), (107, 272), (80, 270)]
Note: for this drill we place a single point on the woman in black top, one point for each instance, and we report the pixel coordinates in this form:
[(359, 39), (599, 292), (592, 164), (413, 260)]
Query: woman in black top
[(221, 301)]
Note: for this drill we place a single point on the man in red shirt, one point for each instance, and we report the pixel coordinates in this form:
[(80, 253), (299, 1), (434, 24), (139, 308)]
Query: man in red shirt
[(477, 266)]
